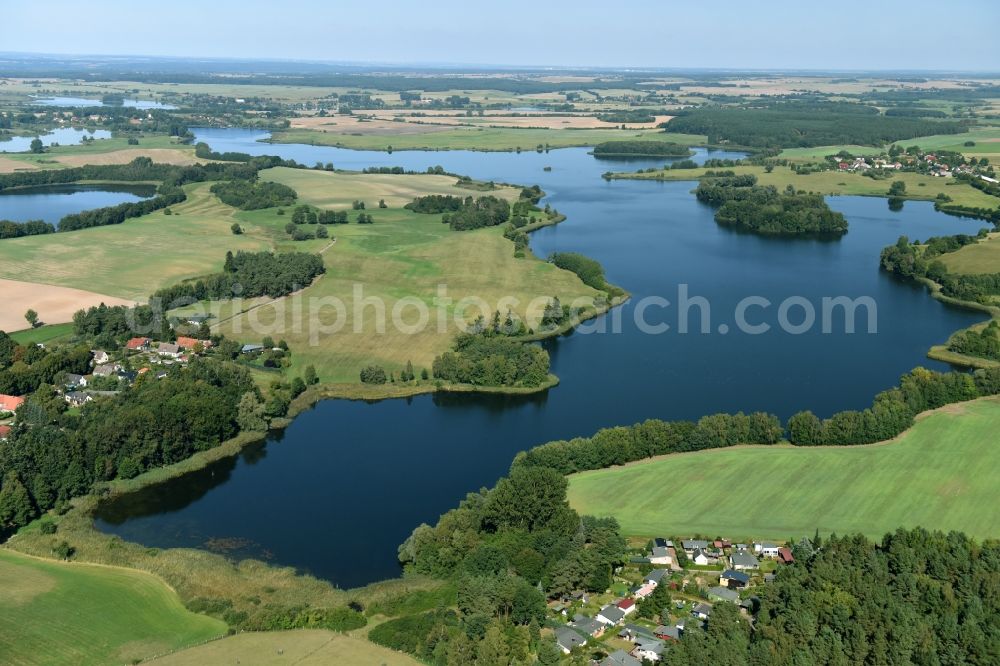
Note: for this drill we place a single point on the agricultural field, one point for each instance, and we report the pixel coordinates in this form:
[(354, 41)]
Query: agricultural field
[(931, 476), (101, 151), (133, 259), (402, 258), (304, 647), (478, 138), (54, 304), (918, 186), (982, 257), (59, 613), (987, 140)]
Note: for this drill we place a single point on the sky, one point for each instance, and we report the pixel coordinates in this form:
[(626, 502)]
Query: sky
[(767, 34)]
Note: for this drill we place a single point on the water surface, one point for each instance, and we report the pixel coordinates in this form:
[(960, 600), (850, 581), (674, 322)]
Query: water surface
[(341, 488), (64, 136), (63, 101), (51, 202)]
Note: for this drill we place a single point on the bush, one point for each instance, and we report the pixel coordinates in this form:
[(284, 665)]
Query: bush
[(373, 374)]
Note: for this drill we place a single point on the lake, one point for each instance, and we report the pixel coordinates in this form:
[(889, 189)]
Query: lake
[(62, 101), (51, 202), (64, 136), (346, 483)]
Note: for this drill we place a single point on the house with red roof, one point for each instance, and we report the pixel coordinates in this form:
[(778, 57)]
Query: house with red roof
[(627, 606), (785, 556), (10, 403), (137, 344)]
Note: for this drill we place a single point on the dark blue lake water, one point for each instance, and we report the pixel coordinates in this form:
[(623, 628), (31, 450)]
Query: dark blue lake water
[(51, 202), (340, 489)]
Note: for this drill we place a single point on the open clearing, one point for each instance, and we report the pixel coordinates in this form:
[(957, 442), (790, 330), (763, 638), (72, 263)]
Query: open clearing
[(58, 613), (132, 259), (938, 474), (303, 647), (400, 260), (54, 305), (10, 165)]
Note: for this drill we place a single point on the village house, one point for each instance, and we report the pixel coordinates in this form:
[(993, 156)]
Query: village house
[(77, 398), (620, 658), (611, 615), (655, 576), (137, 344), (188, 344), (734, 579), (107, 370), (742, 560), (702, 611), (766, 549), (10, 403), (168, 349), (700, 557), (666, 633), (785, 555), (691, 545), (627, 606), (567, 639), (75, 380), (644, 591), (648, 649), (662, 555), (100, 357), (587, 625), (250, 349), (632, 632)]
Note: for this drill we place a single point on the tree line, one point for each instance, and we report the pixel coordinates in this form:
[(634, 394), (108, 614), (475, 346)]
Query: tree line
[(248, 274), (590, 271), (253, 195), (641, 149)]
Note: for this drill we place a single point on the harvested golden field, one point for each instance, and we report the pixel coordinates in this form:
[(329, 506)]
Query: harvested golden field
[(54, 305), (179, 156), (10, 165)]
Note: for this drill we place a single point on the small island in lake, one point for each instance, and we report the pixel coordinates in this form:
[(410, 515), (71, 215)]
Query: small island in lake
[(641, 149)]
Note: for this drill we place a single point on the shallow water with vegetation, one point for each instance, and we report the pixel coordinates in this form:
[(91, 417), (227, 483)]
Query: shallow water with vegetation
[(343, 486)]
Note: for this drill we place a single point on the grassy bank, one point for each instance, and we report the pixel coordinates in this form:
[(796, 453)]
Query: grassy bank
[(931, 476), (70, 613)]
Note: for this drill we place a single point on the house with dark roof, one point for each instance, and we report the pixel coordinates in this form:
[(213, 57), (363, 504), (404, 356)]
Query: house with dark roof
[(702, 611), (567, 639), (691, 545), (700, 557), (587, 625), (655, 576), (734, 579), (666, 633), (743, 561), (168, 349), (648, 649), (611, 615), (620, 658), (74, 380), (662, 555)]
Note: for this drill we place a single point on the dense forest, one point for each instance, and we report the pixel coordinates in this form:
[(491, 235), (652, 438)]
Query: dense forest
[(463, 214), (505, 549), (487, 360), (248, 274), (984, 343), (52, 455), (764, 210), (641, 149), (802, 124)]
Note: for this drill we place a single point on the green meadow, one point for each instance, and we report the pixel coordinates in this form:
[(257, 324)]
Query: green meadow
[(59, 613), (936, 475), (481, 138)]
